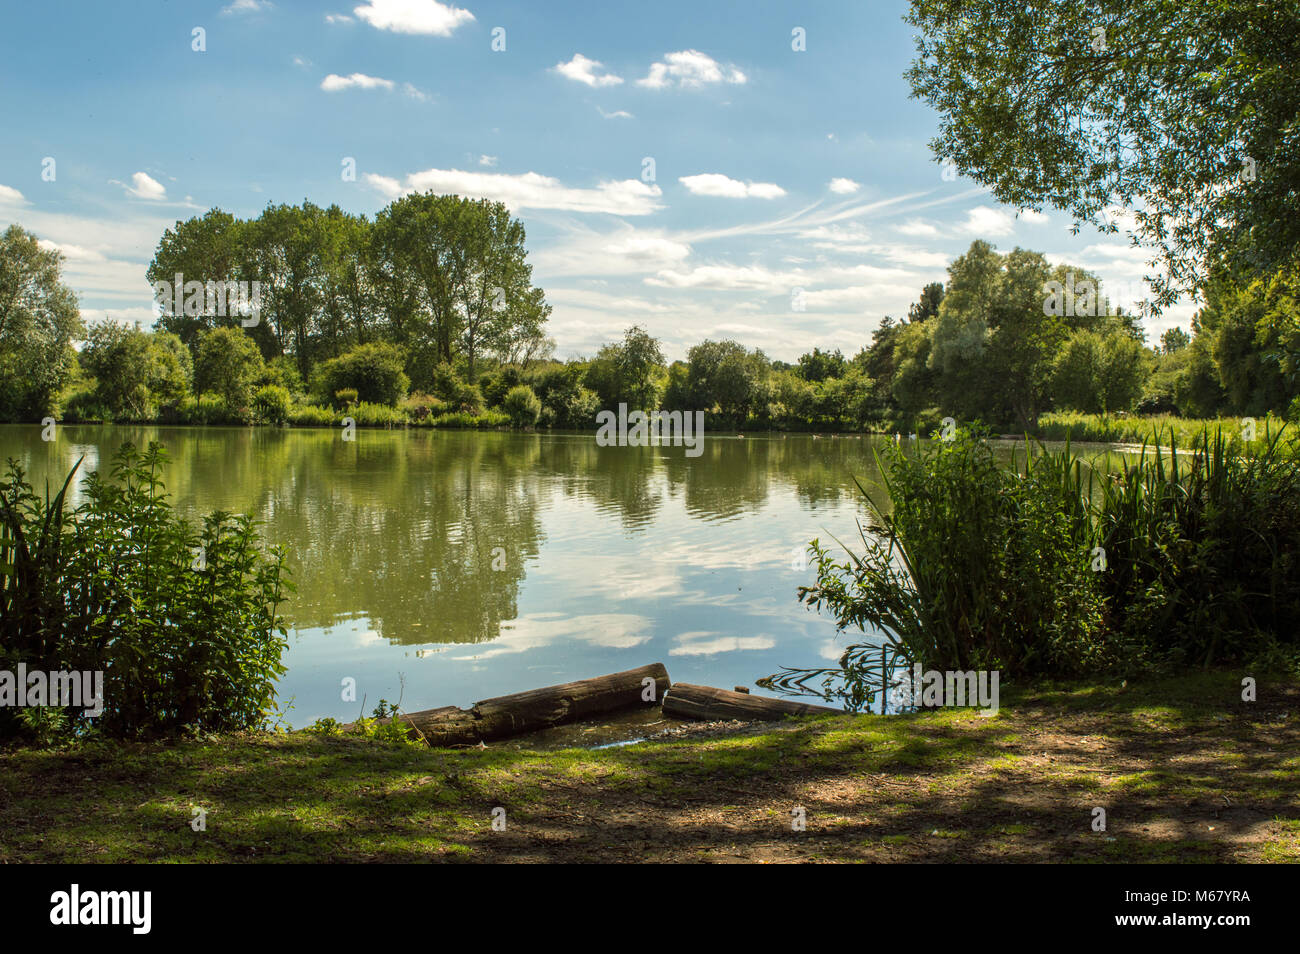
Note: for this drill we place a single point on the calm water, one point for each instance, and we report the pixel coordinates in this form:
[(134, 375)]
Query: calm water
[(467, 565)]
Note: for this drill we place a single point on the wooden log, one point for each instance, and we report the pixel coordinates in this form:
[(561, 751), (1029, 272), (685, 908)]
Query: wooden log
[(521, 712), (686, 701)]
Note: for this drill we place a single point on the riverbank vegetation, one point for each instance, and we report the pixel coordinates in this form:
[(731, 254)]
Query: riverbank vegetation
[(1008, 340), (180, 621), (1050, 568)]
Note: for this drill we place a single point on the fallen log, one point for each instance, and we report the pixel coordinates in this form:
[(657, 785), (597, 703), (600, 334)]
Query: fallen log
[(686, 701), (521, 712)]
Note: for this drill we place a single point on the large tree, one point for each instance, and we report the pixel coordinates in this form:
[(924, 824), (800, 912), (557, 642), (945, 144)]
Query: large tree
[(39, 318), (1182, 111)]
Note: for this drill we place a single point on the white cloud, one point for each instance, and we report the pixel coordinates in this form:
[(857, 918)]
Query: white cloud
[(10, 196), (247, 6), (301, 61), (529, 191), (689, 69), (985, 221), (337, 18), (842, 186), (916, 227), (333, 83), (1034, 217), (716, 184), (73, 253), (616, 114), (414, 93), (143, 186), (583, 70), (413, 16), (487, 160)]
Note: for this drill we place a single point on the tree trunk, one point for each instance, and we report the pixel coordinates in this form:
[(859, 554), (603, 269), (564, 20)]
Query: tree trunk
[(521, 712), (686, 701)]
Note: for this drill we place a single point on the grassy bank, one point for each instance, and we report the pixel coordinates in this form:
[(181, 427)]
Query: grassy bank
[(1185, 770), (1132, 429)]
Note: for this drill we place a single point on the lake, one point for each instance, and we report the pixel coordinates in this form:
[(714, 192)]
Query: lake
[(444, 567)]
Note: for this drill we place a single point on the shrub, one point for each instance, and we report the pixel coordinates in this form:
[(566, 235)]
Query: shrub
[(210, 408), (311, 415), (419, 408), (522, 406), (1054, 569), (376, 415), (271, 404), (463, 419), (228, 363), (374, 371), (182, 622), (346, 397)]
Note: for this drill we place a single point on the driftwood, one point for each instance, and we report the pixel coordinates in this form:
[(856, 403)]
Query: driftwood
[(685, 701), (535, 709)]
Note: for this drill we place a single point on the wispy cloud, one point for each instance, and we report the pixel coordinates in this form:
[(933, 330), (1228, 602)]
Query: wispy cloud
[(247, 6), (529, 191)]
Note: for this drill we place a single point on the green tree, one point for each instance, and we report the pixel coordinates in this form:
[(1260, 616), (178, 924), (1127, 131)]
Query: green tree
[(373, 370), (628, 371), (725, 375), (136, 373), (1183, 111), (228, 364), (1099, 372), (39, 318)]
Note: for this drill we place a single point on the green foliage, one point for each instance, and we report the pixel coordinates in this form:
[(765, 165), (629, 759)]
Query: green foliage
[(39, 318), (467, 420), (372, 372), (271, 405), (1188, 106), (566, 402), (628, 372), (228, 363), (136, 373), (310, 415), (1097, 372), (522, 406), (181, 621), (1051, 568)]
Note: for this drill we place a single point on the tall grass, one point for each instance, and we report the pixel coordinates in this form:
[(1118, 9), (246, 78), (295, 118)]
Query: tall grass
[(1051, 567)]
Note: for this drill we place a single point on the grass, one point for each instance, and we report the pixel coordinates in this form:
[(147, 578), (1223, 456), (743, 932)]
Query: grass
[(1133, 429), (1184, 769)]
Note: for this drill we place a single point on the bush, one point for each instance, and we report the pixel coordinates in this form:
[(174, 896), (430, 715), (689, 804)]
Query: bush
[(311, 415), (346, 397), (522, 406), (228, 363), (419, 408), (182, 622), (1053, 569), (271, 405), (374, 371), (376, 415), (210, 408), (463, 419)]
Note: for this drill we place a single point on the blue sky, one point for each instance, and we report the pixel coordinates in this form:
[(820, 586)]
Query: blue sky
[(793, 202)]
